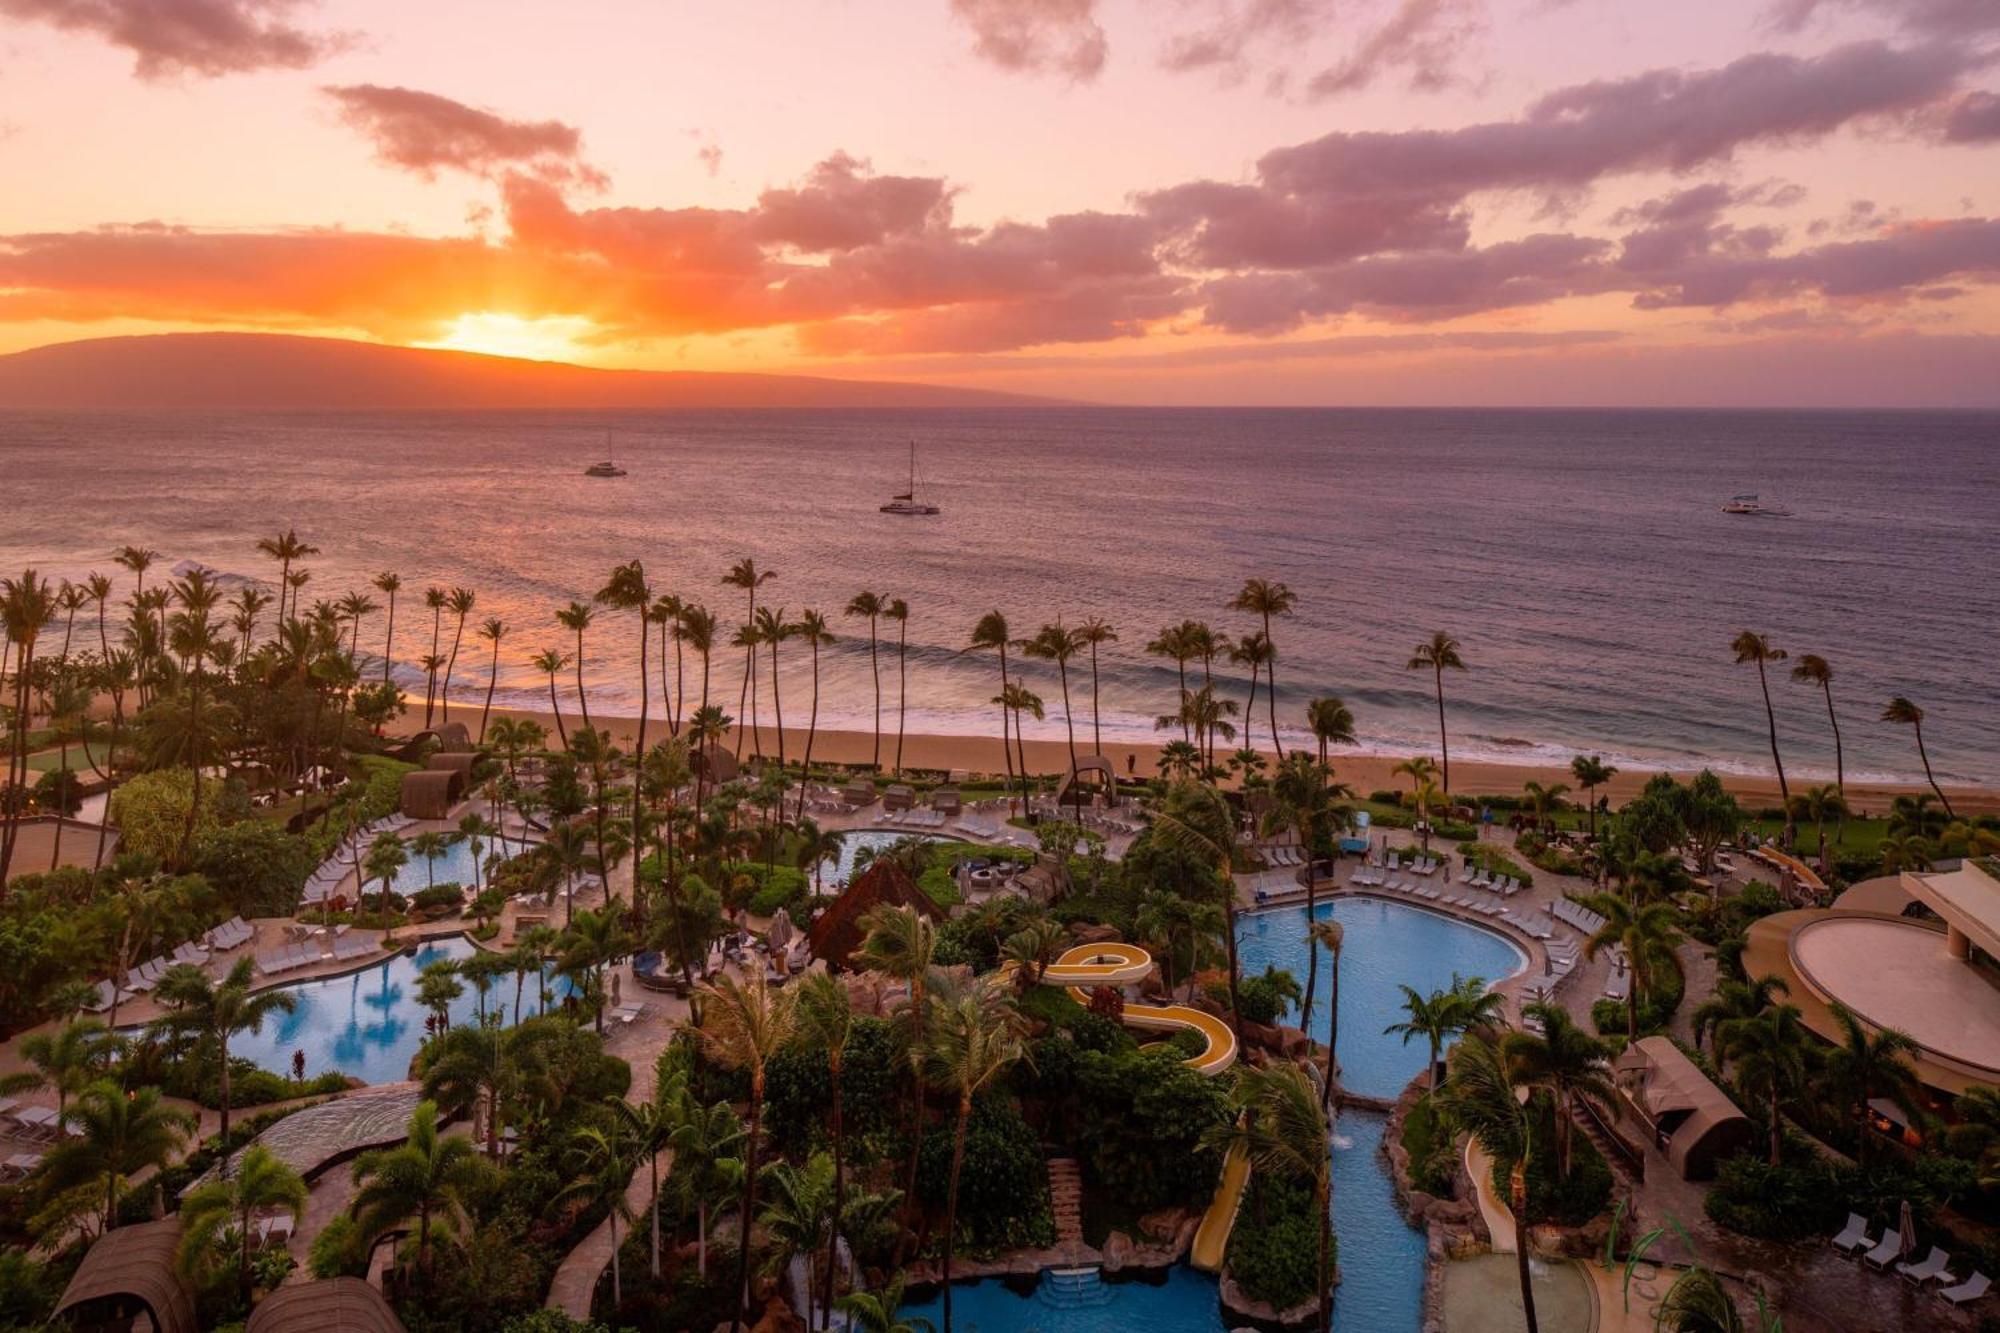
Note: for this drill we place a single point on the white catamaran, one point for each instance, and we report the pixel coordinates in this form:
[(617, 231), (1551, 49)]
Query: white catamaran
[(906, 501)]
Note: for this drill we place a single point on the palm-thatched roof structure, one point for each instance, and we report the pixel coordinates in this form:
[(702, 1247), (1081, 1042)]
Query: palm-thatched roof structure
[(331, 1305), (131, 1271), (836, 931), (430, 793)]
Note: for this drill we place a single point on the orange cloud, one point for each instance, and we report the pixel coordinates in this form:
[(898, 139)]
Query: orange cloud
[(426, 133)]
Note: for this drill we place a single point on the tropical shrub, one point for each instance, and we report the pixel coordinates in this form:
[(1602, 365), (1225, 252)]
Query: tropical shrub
[(1263, 998), (1139, 1119), (1003, 1187), (59, 790), (798, 1089), (1432, 1149), (254, 865), (151, 812), (1275, 1244), (1495, 862), (1566, 1202), (1783, 1202)]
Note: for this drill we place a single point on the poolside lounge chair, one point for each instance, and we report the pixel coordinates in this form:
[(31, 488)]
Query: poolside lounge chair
[(101, 998), (1854, 1237), (1930, 1270), (191, 954), (1890, 1250), (1974, 1286)]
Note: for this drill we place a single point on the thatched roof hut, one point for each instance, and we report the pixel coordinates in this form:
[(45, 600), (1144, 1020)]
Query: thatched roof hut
[(330, 1305), (1694, 1122), (899, 796), (947, 801), (453, 738), (128, 1272), (859, 792), (430, 793), (460, 761), (716, 766), (836, 931)]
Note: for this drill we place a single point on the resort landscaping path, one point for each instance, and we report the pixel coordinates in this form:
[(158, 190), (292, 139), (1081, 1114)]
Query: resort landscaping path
[(1066, 1199)]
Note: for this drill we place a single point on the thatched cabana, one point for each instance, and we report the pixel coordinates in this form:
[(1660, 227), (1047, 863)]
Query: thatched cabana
[(330, 1305), (859, 792), (431, 793), (715, 766), (1693, 1121), (131, 1272), (453, 738), (836, 931), (899, 797), (459, 761), (947, 801)]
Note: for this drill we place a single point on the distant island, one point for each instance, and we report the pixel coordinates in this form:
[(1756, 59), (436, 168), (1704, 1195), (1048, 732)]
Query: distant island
[(283, 372)]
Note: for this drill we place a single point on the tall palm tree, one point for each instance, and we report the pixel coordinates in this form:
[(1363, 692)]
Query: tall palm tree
[(1904, 713), (826, 1013), (1331, 723), (1750, 646), (627, 589), (1211, 836), (898, 610), (1544, 799), (1265, 598), (900, 943), (474, 1067), (743, 1025), (601, 1163), (1864, 1065), (1330, 935), (1285, 1132), (697, 631), (1058, 643), (68, 1059), (1565, 1061), (576, 618), (773, 629), (1646, 933), (977, 1033), (1173, 641), (429, 1178), (27, 607), (389, 584), (812, 628), (1444, 1014), (355, 607), (1479, 1098), (705, 1140), (1813, 669), (878, 1311), (867, 606), (216, 1011), (744, 574), (796, 1217), (1819, 803), (286, 548), (667, 611), (435, 599), (1018, 699), (1767, 1055), (1591, 772), (991, 633), (1253, 651), (1735, 999), (222, 1213), (1303, 805), (1437, 655), (460, 604), (552, 663), (112, 1134), (494, 630)]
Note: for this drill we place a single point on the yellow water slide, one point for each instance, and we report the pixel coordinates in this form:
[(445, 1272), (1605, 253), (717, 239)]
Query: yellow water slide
[(1088, 965)]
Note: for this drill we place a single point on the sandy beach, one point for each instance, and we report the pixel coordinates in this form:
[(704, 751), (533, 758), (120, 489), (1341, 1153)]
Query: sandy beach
[(1365, 773)]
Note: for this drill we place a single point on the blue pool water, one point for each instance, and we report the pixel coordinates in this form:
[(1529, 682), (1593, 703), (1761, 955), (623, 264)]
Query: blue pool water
[(1381, 1257), (369, 1023), (454, 865), (837, 870), (1388, 945)]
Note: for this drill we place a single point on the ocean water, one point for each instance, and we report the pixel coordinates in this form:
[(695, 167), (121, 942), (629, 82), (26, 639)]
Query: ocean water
[(1579, 556)]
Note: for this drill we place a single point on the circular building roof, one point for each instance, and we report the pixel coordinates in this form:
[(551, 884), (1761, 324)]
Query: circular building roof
[(1896, 974)]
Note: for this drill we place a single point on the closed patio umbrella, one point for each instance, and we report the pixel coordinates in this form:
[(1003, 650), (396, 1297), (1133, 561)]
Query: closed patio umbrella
[(781, 931), (1907, 1231)]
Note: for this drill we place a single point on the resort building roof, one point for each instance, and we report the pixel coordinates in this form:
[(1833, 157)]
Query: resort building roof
[(1695, 1122), (331, 1305), (430, 793), (836, 931), (128, 1269), (1968, 899)]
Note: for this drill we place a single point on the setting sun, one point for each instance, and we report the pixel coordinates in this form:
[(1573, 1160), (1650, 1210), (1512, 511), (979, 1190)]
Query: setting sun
[(494, 333)]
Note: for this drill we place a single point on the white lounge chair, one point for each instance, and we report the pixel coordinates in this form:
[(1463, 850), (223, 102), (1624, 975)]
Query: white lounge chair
[(1967, 1291), (1930, 1270), (1886, 1253), (1854, 1237)]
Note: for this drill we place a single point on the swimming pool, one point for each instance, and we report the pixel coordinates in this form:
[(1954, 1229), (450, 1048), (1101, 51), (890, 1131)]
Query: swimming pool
[(368, 1023), (454, 865), (837, 870), (1185, 1303)]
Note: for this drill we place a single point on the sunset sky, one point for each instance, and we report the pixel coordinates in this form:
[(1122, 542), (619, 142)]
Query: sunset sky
[(1174, 201)]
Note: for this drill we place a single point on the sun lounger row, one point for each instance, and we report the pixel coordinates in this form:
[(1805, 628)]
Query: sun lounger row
[(1283, 856), (629, 1012), (914, 818), (147, 975), (1854, 1240), (19, 1165), (31, 1122), (230, 934), (1504, 885), (357, 945), (288, 959), (1573, 913)]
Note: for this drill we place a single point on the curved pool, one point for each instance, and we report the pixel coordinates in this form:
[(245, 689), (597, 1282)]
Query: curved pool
[(837, 870), (369, 1023)]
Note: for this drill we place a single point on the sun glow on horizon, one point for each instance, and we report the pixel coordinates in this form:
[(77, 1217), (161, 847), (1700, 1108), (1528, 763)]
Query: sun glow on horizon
[(497, 333)]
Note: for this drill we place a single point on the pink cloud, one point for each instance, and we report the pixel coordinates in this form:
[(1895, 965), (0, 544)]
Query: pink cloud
[(842, 206), (1930, 18), (1232, 29), (427, 133), (1423, 40), (1038, 36), (202, 37), (1974, 119)]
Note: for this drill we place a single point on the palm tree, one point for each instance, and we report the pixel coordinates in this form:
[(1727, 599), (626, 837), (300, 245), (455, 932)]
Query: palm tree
[(1215, 842), (1479, 1098), (1591, 772), (354, 608), (746, 638), (1750, 646), (898, 610), (977, 1033), (877, 1311), (1438, 655), (1303, 804), (600, 1162), (1331, 723), (745, 575), (1813, 669), (1819, 804), (826, 1012), (112, 1134), (1767, 1054), (27, 607), (991, 632), (867, 606), (1174, 641), (1565, 1061), (216, 1011), (460, 604), (285, 548), (1904, 713), (1253, 651), (1444, 1014), (1284, 1131), (221, 1214), (1264, 598), (627, 590), (773, 629), (68, 1059), (428, 1178), (1018, 699), (1733, 1000), (576, 619), (1330, 935), (1091, 634), (434, 599), (389, 584), (1864, 1065), (743, 1024), (795, 1217), (492, 631), (1544, 800), (474, 1067), (703, 1139), (812, 628), (666, 612), (387, 856), (1057, 643), (553, 663), (697, 631), (1646, 933)]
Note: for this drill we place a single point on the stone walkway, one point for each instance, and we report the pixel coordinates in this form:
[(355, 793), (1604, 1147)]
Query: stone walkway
[(1066, 1199)]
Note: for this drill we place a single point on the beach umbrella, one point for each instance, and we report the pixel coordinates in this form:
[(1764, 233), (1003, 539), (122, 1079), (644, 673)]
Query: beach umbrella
[(1907, 1233), (781, 931)]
